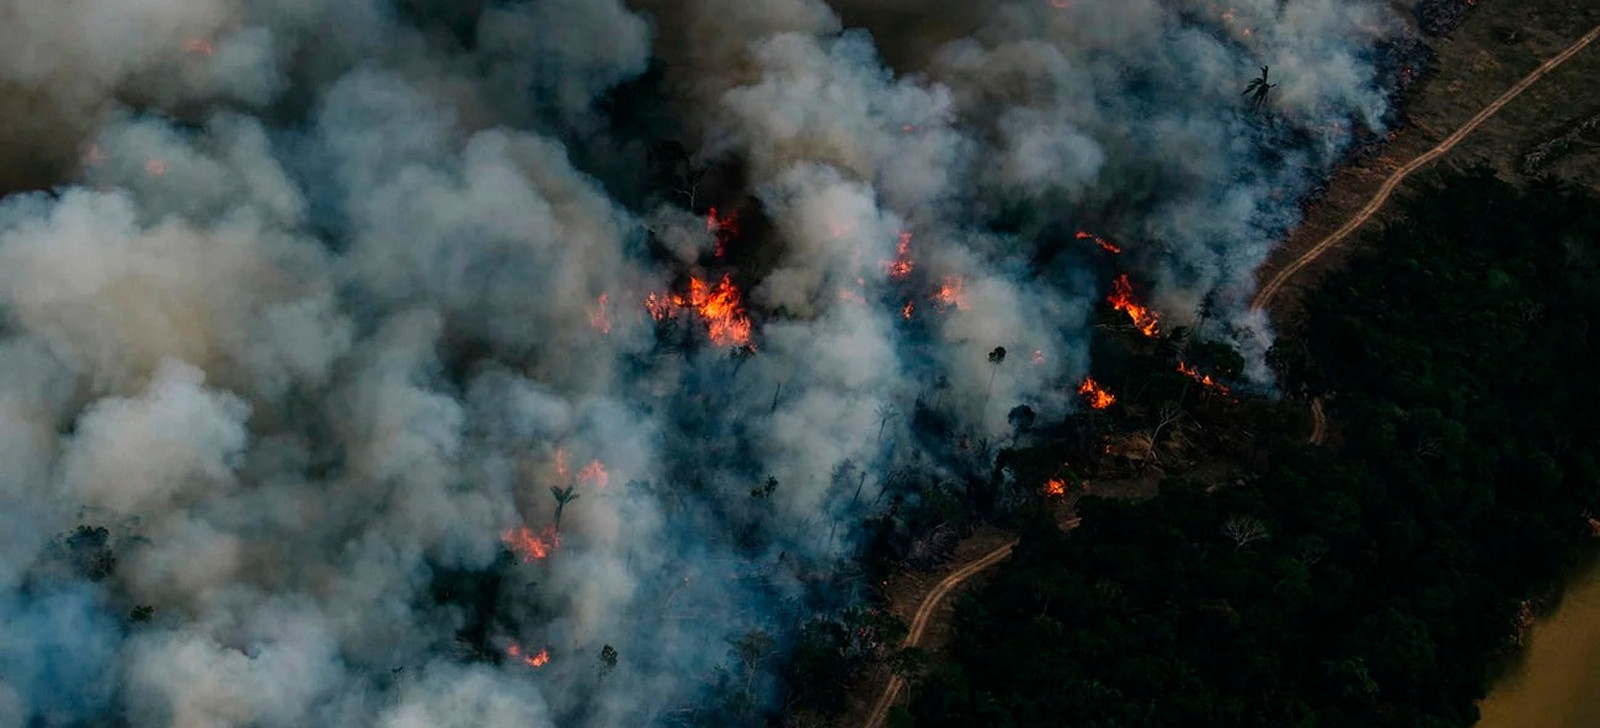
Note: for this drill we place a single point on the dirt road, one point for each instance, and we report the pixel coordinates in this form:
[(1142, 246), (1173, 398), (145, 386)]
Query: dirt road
[(919, 623), (1268, 291), (1319, 423)]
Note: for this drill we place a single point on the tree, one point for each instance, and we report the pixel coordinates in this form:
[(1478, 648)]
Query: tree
[(88, 551), (1260, 88), (750, 650), (608, 659), (1021, 418), (1244, 529), (885, 413), (996, 357), (563, 497)]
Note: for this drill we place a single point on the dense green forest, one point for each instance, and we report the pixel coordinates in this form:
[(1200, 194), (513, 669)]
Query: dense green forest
[(1370, 583)]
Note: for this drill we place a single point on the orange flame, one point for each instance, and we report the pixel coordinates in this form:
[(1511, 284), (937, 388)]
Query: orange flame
[(1204, 379), (1055, 486), (661, 306), (1121, 299), (155, 167), (1097, 396), (599, 318), (594, 472), (537, 659), (905, 311), (717, 305), (1038, 357), (527, 546), (199, 46), (952, 292), (723, 229), (902, 264), (561, 464), (1104, 244)]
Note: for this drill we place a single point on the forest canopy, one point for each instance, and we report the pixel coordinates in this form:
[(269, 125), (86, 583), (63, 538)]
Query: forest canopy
[(1370, 583)]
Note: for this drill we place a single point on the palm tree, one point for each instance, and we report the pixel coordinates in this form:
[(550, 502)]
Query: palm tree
[(1259, 87), (995, 358), (563, 497)]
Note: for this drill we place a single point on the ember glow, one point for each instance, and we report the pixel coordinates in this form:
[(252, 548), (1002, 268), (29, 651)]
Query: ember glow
[(529, 546), (1055, 487), (902, 264), (722, 229), (595, 474), (1204, 379), (1095, 395), (562, 473), (951, 292), (718, 306), (1121, 299), (599, 317), (364, 253), (199, 46), (537, 659), (1104, 244)]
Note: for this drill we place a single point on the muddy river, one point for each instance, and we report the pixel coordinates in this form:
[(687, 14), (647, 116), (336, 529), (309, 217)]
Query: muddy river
[(1556, 684)]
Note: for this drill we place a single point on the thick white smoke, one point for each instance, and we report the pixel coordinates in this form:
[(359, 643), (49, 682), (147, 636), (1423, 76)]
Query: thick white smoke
[(330, 297)]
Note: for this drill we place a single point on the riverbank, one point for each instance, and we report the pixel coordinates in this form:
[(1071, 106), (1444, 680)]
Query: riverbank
[(1551, 684)]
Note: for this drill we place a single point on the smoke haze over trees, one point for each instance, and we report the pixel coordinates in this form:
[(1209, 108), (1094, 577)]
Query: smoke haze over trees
[(1386, 573), (318, 304)]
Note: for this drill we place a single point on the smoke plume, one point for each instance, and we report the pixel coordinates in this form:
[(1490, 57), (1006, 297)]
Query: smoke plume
[(435, 363)]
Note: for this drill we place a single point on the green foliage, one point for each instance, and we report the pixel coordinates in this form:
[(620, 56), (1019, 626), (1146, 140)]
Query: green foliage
[(1456, 355)]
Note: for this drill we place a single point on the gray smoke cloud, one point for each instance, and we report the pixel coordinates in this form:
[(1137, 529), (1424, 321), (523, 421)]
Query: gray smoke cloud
[(328, 298)]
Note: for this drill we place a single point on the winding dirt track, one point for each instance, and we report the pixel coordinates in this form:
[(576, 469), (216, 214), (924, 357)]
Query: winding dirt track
[(1270, 290), (1319, 423), (919, 623)]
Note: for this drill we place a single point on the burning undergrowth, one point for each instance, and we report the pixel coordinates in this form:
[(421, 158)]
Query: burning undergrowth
[(451, 369)]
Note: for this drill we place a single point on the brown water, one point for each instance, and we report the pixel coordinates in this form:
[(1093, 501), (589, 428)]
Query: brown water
[(1557, 684)]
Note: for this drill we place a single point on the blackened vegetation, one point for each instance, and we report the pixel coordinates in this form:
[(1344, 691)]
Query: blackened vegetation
[(1169, 417), (1371, 585), (1441, 17), (1577, 136), (474, 598), (834, 652), (1400, 64), (87, 552)]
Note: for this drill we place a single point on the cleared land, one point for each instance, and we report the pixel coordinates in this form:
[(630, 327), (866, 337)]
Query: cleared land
[(1500, 43), (1270, 290)]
